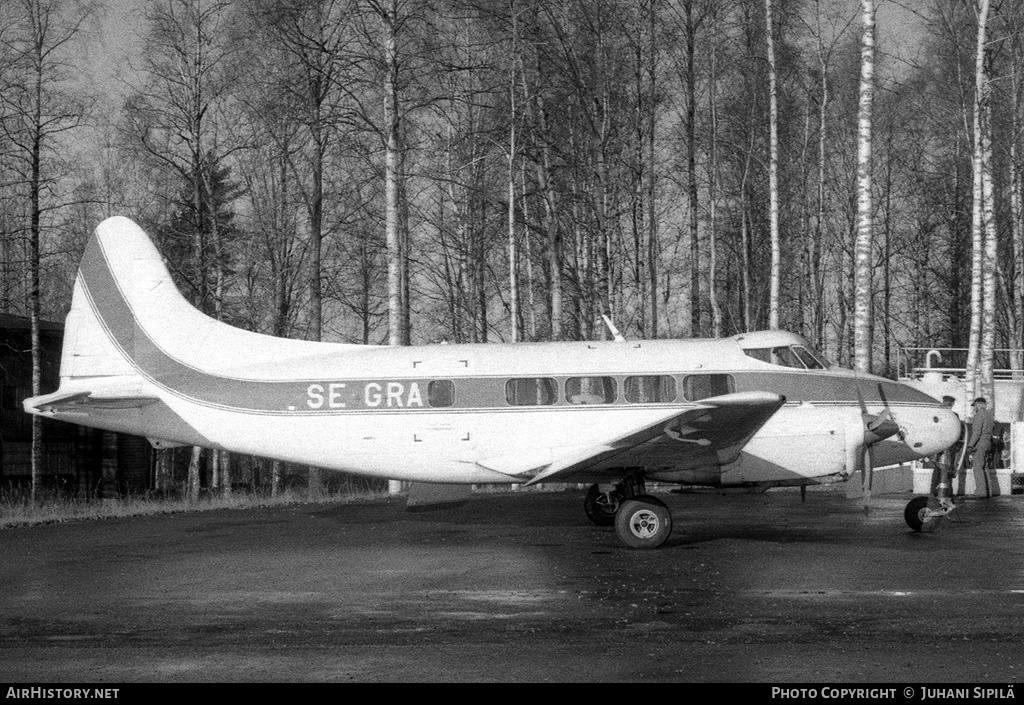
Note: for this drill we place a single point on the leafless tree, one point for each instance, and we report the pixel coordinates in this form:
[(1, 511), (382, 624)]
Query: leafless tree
[(865, 207), (38, 108)]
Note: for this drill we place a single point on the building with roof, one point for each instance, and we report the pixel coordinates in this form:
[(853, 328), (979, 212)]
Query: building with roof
[(77, 461)]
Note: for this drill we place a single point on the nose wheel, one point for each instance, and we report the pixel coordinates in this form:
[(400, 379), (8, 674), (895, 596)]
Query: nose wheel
[(922, 514)]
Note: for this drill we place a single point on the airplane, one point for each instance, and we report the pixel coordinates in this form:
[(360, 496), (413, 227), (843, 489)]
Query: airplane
[(748, 412)]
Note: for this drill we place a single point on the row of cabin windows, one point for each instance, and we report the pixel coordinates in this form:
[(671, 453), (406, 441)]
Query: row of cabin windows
[(639, 389), (645, 389)]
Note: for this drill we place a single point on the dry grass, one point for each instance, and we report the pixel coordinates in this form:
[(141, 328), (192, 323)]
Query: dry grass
[(18, 510)]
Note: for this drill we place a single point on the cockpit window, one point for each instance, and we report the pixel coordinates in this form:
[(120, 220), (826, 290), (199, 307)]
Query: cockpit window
[(796, 356), (786, 357), (806, 357), (762, 354)]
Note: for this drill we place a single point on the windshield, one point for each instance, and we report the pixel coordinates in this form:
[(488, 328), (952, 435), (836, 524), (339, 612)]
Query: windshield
[(795, 356)]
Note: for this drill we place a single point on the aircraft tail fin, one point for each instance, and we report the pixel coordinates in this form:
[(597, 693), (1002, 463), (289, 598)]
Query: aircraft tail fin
[(124, 304), (128, 317)]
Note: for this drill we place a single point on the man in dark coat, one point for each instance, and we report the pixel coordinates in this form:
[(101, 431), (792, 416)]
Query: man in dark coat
[(979, 444)]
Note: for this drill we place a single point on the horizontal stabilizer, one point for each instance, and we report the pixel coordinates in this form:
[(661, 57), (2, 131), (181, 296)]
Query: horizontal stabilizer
[(85, 402)]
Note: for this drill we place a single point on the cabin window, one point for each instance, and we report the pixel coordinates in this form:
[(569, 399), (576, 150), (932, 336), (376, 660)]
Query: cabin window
[(531, 391), (650, 389), (697, 387), (590, 390), (441, 393)]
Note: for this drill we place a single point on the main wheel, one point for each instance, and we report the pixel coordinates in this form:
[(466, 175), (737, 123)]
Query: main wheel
[(643, 522), (601, 506), (915, 512)]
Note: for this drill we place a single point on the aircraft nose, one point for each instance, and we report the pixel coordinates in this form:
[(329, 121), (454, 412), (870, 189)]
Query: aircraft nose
[(932, 431)]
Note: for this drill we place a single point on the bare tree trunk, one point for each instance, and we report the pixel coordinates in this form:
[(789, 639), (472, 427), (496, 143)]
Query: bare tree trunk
[(276, 471), (773, 172), (531, 302), (690, 310), (652, 181), (36, 303), (640, 248), (816, 242), (1016, 212), (193, 474), (887, 293), (43, 119), (392, 159), (554, 245), (391, 176), (987, 352), (747, 279), (164, 471), (316, 232), (513, 247), (865, 224), (716, 307), (978, 208)]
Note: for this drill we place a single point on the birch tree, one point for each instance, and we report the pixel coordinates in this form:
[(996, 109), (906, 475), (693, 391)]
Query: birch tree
[(773, 172), (312, 37), (979, 352), (865, 224), (391, 23), (1016, 335), (187, 73), (37, 108)]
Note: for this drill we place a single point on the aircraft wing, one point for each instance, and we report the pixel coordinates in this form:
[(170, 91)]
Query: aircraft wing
[(710, 434)]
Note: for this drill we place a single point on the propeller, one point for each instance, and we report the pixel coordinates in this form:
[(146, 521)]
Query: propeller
[(860, 437)]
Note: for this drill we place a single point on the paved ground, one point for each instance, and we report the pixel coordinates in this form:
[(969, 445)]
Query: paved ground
[(750, 588)]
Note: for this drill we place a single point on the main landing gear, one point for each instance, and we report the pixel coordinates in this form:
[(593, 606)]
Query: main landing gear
[(640, 520)]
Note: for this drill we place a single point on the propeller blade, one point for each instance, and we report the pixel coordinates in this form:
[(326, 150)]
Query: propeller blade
[(876, 421), (878, 428), (855, 460), (867, 476)]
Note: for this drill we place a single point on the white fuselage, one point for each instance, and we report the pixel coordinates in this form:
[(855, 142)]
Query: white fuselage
[(139, 359)]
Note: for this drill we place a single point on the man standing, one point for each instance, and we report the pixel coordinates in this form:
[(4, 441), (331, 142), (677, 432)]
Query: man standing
[(979, 444), (946, 467)]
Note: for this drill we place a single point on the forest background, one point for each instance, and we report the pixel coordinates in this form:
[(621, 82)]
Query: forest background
[(395, 171)]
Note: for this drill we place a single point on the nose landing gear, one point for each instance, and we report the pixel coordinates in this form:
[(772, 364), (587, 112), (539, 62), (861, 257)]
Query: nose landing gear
[(922, 514)]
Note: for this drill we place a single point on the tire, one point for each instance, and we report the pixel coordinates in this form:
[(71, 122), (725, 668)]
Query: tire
[(913, 513), (599, 509), (643, 522)]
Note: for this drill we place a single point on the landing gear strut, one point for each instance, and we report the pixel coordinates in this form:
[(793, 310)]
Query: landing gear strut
[(923, 513), (601, 506), (640, 520)]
